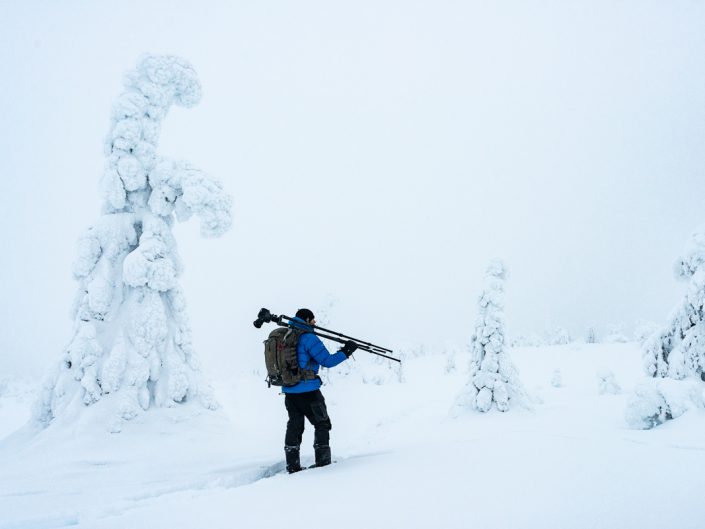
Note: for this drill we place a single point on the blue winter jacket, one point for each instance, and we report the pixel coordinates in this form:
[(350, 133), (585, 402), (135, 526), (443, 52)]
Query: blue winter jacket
[(312, 355)]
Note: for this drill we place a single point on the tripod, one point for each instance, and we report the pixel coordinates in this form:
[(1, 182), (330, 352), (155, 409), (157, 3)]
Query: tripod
[(265, 316)]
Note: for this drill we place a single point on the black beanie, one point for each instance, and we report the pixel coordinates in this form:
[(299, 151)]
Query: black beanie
[(305, 315)]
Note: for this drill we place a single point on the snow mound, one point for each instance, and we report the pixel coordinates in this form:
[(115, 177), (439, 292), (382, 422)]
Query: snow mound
[(655, 401)]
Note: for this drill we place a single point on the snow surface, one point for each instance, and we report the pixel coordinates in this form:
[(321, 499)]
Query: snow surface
[(402, 461)]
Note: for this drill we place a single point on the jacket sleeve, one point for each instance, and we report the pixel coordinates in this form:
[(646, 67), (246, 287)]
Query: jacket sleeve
[(321, 355)]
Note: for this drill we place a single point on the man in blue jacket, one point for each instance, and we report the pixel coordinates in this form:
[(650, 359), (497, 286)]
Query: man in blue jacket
[(305, 400)]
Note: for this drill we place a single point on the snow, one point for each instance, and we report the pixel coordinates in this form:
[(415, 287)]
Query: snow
[(402, 460)]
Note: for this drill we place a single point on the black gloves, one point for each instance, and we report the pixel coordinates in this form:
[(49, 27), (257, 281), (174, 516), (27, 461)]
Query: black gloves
[(349, 348)]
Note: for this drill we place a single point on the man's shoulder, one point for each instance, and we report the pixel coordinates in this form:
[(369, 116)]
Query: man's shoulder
[(308, 339)]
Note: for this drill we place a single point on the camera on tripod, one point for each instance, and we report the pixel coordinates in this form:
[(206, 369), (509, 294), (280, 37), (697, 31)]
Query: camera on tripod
[(264, 316)]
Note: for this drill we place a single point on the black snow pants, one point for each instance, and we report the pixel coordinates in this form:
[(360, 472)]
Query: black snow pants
[(312, 406)]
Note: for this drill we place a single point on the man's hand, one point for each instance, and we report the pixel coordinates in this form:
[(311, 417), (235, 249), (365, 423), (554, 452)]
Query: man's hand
[(349, 348)]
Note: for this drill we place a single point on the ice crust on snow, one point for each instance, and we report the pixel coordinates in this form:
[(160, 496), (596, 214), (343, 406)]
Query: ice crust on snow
[(131, 338)]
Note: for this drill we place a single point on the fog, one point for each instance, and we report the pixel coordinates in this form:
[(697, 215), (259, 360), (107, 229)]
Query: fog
[(379, 154)]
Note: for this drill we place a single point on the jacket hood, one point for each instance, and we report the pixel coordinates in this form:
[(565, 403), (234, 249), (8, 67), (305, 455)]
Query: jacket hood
[(300, 324)]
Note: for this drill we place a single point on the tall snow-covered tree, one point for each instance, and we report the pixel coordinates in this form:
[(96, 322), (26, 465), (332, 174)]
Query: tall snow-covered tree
[(678, 350), (131, 341), (493, 378)]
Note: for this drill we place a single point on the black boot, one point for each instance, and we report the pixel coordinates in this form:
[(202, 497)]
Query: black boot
[(293, 463), (322, 455)]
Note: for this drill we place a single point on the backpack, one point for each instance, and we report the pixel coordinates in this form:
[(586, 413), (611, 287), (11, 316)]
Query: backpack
[(282, 360)]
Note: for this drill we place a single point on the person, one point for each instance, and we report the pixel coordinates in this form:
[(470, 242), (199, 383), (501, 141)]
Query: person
[(304, 400)]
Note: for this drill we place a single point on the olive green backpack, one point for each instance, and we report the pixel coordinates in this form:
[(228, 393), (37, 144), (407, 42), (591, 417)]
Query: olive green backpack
[(282, 360)]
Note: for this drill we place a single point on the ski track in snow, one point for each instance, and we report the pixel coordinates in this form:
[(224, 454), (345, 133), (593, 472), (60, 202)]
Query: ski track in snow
[(231, 478), (44, 522), (224, 478), (120, 507)]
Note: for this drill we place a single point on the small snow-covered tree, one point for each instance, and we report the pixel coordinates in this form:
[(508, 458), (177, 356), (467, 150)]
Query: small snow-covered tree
[(591, 335), (535, 340), (615, 334), (655, 401), (607, 383), (450, 352), (324, 313), (560, 336), (678, 350), (450, 362), (557, 379), (643, 330), (401, 372), (518, 341), (493, 378), (131, 342)]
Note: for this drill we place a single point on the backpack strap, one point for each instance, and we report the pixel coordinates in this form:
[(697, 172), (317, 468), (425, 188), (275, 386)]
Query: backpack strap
[(306, 374)]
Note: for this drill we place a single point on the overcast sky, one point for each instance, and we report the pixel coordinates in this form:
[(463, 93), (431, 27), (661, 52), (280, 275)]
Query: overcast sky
[(379, 155)]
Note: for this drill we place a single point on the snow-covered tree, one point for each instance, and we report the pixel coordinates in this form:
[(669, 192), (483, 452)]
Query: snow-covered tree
[(450, 352), (535, 340), (615, 334), (643, 330), (493, 377), (518, 341), (591, 335), (131, 343), (450, 362), (560, 336), (607, 383), (678, 350), (557, 379), (326, 310), (400, 370), (655, 401)]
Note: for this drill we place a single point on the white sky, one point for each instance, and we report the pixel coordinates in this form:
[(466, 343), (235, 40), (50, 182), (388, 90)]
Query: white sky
[(378, 152)]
